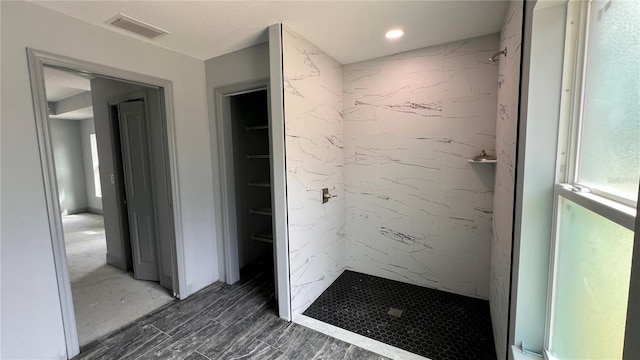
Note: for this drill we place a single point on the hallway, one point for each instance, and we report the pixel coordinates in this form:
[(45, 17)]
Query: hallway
[(105, 298)]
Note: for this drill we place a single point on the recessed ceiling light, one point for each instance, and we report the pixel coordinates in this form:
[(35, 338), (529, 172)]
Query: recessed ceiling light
[(394, 34)]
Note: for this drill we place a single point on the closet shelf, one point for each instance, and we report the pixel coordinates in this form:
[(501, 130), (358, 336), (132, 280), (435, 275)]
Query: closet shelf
[(260, 156), (258, 127), (262, 211), (268, 238), (260, 184)]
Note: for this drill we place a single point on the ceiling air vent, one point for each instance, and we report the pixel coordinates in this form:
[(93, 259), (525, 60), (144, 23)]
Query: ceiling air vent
[(130, 24)]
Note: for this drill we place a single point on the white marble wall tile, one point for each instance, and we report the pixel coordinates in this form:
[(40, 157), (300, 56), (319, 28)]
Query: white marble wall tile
[(314, 160), (506, 136), (416, 210)]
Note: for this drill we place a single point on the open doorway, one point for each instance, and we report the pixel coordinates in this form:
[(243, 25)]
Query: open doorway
[(106, 157), (105, 266), (247, 167)]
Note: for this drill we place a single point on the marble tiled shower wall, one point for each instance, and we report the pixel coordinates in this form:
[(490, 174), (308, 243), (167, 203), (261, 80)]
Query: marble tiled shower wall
[(416, 210), (506, 144), (314, 160)]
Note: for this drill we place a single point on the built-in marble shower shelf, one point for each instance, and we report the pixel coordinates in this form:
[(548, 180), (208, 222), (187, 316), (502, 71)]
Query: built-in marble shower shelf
[(482, 161), (261, 211), (264, 237), (258, 156), (258, 127), (260, 184)]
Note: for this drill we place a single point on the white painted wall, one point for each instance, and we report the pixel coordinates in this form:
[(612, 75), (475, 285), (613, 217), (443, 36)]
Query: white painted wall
[(242, 66), (417, 210), (506, 144), (245, 66), (313, 91), (67, 153), (94, 203), (30, 309)]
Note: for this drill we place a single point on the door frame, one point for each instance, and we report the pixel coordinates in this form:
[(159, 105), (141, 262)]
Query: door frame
[(36, 61), (228, 214)]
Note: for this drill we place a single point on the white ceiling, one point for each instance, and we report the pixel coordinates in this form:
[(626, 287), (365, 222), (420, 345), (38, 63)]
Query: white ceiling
[(60, 84), (350, 31)]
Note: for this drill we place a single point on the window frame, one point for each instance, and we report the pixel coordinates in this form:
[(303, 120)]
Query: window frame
[(608, 205), (579, 72), (617, 209)]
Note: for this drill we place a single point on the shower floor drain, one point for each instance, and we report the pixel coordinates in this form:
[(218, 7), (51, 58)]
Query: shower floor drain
[(395, 312)]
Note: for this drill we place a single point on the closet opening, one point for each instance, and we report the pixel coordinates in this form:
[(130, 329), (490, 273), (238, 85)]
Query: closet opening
[(249, 119)]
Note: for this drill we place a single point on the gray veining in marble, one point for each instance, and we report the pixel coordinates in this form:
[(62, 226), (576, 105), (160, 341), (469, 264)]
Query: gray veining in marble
[(416, 210), (506, 144), (251, 330), (391, 137), (314, 160)]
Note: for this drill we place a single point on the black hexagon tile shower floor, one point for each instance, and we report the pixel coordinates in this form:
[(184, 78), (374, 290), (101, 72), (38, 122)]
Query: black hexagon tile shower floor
[(431, 323)]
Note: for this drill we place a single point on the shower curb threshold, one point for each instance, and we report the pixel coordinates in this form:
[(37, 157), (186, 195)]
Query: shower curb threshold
[(356, 339)]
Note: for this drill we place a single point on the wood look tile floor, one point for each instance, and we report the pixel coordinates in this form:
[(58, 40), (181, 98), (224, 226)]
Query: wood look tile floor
[(222, 322)]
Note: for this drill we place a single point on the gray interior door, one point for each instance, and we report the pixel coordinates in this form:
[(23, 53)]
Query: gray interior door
[(137, 171)]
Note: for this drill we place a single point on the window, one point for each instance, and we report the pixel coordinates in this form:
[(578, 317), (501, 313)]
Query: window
[(592, 284), (597, 192), (609, 158), (96, 167)]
